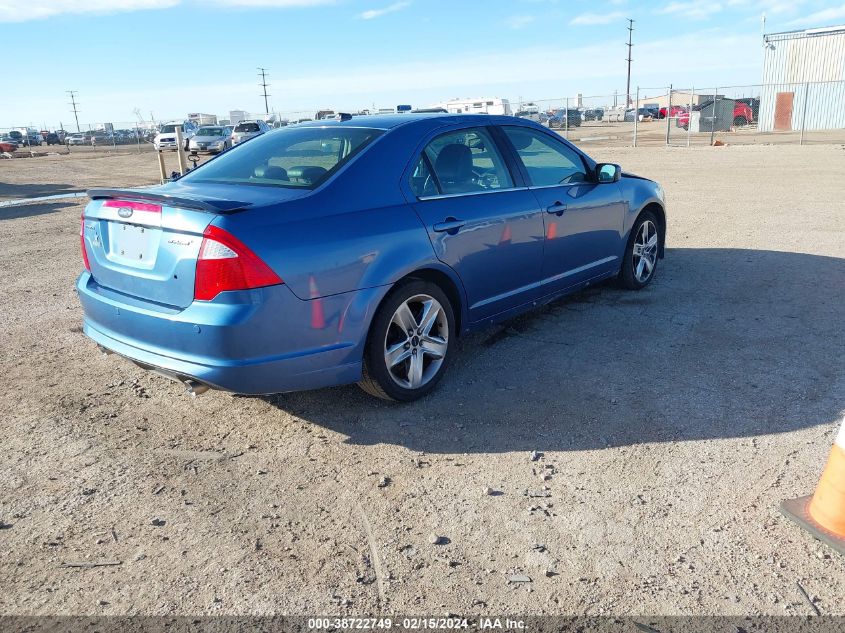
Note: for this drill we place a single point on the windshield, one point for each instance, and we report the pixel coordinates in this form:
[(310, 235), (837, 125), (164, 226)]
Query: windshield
[(247, 127), (210, 131), (168, 129), (289, 157)]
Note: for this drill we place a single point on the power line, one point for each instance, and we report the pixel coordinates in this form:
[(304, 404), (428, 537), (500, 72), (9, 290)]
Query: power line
[(264, 85), (73, 103)]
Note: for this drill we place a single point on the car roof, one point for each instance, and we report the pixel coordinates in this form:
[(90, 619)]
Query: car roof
[(389, 121)]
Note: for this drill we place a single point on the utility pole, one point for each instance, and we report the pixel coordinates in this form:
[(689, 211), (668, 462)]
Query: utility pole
[(73, 103), (630, 44), (264, 85)]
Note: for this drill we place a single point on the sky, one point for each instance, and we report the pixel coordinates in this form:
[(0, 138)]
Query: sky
[(166, 58)]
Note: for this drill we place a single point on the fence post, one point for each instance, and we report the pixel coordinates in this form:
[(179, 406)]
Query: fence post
[(668, 114), (636, 115), (689, 112), (713, 118), (566, 125), (804, 112)]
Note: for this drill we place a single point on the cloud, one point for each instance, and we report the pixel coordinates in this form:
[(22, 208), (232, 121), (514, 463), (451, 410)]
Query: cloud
[(519, 21), (271, 4), (22, 11), (825, 17), (371, 14), (693, 10), (593, 19)]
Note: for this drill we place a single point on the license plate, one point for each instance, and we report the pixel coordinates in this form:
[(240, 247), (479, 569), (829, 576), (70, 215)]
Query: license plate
[(133, 245)]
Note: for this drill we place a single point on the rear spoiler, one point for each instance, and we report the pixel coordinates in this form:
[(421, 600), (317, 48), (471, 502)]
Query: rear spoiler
[(210, 206)]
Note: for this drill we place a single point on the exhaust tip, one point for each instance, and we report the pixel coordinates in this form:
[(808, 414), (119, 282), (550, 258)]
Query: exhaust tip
[(104, 351), (195, 388)]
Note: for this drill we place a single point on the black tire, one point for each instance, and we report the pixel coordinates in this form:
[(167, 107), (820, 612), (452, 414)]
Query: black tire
[(740, 121), (628, 274), (377, 379)]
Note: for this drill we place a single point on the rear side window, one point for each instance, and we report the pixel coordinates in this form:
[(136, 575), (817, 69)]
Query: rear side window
[(464, 161), (547, 161), (290, 157)]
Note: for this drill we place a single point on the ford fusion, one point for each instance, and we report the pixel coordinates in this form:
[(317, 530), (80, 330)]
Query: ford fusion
[(356, 250)]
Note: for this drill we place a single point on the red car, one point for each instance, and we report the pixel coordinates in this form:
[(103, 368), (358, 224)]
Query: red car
[(675, 110), (743, 114)]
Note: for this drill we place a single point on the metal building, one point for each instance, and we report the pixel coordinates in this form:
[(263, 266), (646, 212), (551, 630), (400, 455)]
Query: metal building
[(803, 80)]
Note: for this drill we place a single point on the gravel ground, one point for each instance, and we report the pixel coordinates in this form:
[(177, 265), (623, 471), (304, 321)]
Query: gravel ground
[(668, 424)]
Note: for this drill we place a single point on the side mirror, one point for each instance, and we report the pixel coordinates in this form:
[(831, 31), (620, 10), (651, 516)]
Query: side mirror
[(608, 172)]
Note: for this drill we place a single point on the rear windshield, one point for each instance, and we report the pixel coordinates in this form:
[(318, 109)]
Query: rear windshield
[(247, 127), (299, 158), (210, 131), (168, 129)]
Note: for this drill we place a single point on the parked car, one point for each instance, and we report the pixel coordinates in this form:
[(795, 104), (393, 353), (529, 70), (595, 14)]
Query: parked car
[(339, 251), (671, 112), (101, 138), (211, 138), (742, 115), (642, 114), (52, 139), (8, 140), (166, 137), (539, 117), (247, 129), (7, 147), (593, 114), (560, 117), (77, 139)]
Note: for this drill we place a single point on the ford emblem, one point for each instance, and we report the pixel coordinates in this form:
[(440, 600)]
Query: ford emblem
[(124, 212)]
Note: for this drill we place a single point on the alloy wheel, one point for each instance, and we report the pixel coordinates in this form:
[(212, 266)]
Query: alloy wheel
[(416, 341), (645, 251)]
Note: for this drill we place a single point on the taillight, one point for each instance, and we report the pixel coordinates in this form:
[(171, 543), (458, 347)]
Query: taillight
[(82, 245), (225, 263)]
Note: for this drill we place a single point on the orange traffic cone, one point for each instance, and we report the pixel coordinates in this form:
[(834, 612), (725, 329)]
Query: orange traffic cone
[(823, 514)]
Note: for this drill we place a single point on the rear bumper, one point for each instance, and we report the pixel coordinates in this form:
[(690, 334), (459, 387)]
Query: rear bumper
[(251, 342)]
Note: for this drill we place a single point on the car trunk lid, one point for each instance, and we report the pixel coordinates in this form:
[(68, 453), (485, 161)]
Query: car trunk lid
[(145, 242)]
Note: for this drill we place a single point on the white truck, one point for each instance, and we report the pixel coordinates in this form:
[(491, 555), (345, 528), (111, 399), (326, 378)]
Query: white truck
[(166, 137)]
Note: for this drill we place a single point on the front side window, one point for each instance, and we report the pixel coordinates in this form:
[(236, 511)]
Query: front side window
[(290, 157), (464, 161), (547, 161)]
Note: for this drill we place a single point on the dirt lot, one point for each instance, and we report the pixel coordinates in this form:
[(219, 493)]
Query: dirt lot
[(669, 424)]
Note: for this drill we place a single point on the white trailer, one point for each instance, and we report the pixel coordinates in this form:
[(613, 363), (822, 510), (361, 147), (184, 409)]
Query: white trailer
[(483, 105)]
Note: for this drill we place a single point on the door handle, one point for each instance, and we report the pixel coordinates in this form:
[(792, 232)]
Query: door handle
[(449, 225), (557, 208)]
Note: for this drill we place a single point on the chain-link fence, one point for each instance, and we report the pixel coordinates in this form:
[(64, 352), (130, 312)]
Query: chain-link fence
[(27, 140), (809, 112)]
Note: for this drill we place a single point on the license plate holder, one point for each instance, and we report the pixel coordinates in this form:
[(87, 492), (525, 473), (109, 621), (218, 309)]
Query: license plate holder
[(133, 245)]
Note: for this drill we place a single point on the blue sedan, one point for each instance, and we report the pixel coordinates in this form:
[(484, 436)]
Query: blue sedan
[(356, 250)]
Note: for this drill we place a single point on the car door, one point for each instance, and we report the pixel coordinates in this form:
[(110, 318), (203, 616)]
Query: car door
[(583, 220), (482, 220)]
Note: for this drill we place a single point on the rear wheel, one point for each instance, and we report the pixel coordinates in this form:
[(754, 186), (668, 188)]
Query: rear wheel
[(641, 254), (410, 342), (740, 121)]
